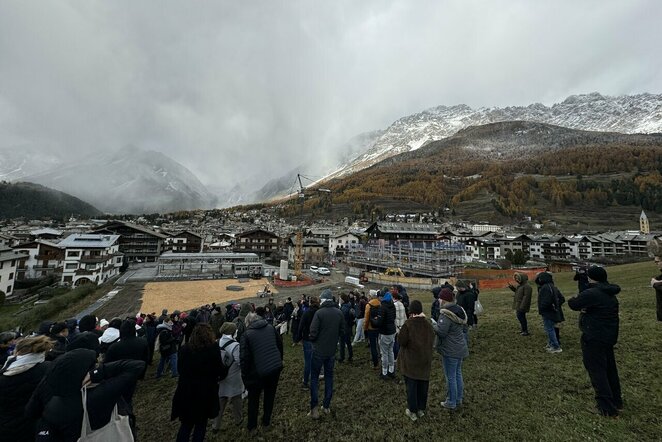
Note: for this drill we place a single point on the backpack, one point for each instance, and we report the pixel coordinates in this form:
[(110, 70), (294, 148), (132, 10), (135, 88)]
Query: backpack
[(227, 359), (375, 316), (166, 342)]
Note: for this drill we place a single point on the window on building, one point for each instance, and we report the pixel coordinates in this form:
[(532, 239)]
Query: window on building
[(8, 289), (11, 276), (71, 266), (73, 253)]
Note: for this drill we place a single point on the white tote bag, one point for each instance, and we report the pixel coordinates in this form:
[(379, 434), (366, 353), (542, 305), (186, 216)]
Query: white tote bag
[(478, 308), (116, 430)]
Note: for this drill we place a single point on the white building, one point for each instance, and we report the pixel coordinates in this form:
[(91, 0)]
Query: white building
[(44, 258), (11, 263), (341, 243), (90, 258), (482, 228)]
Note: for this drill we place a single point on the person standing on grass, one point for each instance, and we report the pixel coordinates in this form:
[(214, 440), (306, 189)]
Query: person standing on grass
[(348, 312), (387, 334), (550, 301), (230, 388), (521, 300), (167, 346), (656, 283), (436, 306), (416, 338), (196, 399), (599, 324), (304, 336), (400, 318), (466, 298), (371, 327), (452, 345), (261, 356), (361, 302), (327, 326)]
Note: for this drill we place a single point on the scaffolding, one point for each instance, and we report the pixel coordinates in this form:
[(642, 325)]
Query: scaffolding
[(208, 265), (435, 259)]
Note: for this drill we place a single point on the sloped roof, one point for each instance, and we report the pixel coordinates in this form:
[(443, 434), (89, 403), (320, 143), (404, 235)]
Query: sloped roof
[(407, 228), (137, 227), (88, 241)]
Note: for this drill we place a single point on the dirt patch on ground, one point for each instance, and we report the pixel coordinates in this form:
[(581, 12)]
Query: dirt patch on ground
[(186, 295)]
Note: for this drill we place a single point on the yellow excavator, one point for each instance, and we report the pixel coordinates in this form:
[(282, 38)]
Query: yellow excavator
[(394, 271)]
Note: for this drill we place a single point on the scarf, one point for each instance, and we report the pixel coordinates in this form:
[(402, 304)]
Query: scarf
[(23, 363)]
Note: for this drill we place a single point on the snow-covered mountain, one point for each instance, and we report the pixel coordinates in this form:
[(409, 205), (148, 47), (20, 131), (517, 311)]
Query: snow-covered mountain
[(625, 114), (130, 180), (20, 161)]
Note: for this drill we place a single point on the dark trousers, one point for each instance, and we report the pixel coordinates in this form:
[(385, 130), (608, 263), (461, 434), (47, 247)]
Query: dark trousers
[(600, 363), (199, 429), (658, 297), (268, 384), (521, 317), (557, 331), (372, 338), (318, 363), (417, 394), (346, 341)]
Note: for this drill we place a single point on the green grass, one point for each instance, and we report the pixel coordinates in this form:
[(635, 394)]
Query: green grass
[(514, 389)]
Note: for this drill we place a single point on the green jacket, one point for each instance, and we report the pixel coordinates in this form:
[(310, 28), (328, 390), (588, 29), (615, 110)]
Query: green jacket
[(522, 296)]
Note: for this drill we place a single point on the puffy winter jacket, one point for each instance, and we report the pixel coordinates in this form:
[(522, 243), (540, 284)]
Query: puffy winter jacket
[(522, 295), (450, 330), (325, 330), (261, 351), (598, 320), (388, 314)]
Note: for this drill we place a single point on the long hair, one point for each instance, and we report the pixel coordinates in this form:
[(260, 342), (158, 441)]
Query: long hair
[(201, 337), (36, 344)]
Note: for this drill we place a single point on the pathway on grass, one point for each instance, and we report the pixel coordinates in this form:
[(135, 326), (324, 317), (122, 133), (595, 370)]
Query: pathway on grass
[(98, 303)]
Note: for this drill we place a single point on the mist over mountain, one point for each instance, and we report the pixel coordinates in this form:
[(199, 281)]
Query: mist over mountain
[(130, 180), (20, 161), (32, 201)]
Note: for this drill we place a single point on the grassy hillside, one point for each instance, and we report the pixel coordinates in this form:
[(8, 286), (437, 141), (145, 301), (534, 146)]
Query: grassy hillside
[(32, 201), (514, 389)]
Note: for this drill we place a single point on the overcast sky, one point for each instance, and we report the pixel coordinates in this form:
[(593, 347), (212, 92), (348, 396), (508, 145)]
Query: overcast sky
[(240, 90)]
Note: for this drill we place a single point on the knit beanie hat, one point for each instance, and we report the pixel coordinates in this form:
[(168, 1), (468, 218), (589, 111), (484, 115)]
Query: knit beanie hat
[(228, 328), (435, 292), (461, 285), (87, 323), (327, 294), (446, 295), (596, 273)]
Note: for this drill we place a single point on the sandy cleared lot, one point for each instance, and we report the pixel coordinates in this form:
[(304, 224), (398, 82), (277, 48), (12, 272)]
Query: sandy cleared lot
[(185, 295)]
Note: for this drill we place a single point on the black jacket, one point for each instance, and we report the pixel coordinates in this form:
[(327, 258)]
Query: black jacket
[(15, 392), (387, 324), (598, 320), (582, 281), (304, 325), (129, 347), (196, 397), (288, 308), (261, 352), (550, 298), (325, 330), (467, 300), (57, 401)]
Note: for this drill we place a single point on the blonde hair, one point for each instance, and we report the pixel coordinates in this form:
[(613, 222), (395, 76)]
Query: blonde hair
[(36, 344)]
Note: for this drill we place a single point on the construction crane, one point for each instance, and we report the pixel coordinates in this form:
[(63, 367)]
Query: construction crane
[(298, 242)]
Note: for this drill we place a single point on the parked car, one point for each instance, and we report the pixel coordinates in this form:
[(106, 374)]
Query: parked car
[(313, 268), (323, 271)]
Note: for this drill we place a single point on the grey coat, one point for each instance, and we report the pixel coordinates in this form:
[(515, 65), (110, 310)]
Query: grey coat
[(325, 330), (450, 330), (232, 385)]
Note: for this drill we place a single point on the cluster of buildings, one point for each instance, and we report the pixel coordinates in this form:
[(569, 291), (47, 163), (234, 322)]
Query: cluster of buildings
[(95, 251)]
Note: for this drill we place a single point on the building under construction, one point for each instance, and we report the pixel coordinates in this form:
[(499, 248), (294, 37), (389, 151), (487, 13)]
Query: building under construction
[(434, 259), (208, 265)]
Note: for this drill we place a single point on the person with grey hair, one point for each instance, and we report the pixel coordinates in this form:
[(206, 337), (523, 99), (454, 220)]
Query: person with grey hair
[(327, 327), (261, 358)]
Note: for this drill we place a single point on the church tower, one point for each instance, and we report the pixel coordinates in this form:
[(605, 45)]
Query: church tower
[(644, 227)]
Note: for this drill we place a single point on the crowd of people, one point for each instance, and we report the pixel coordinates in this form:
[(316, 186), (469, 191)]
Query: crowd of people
[(222, 358)]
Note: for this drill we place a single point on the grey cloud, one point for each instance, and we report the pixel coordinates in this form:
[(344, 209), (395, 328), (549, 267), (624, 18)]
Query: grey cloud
[(248, 90)]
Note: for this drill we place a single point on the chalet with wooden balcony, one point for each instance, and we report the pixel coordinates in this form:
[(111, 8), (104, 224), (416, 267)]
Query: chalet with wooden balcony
[(12, 264), (44, 258), (258, 241), (90, 258), (185, 242), (137, 243)]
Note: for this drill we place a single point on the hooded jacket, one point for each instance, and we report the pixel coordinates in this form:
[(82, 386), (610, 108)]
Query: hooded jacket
[(550, 299), (374, 303), (522, 296), (306, 321), (388, 314), (466, 298), (450, 330), (326, 328), (416, 339), (261, 352), (598, 320)]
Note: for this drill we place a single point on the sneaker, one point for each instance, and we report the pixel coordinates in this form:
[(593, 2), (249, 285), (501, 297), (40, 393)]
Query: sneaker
[(412, 416), (320, 377), (447, 406), (555, 350), (383, 377), (326, 410), (305, 387), (547, 347), (314, 413), (525, 334), (420, 413)]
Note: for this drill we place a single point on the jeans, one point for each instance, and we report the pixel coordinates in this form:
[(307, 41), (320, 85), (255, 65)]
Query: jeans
[(417, 394), (454, 381), (600, 364), (172, 359), (524, 325), (359, 335), (552, 340), (372, 337), (386, 347), (307, 359), (199, 429), (318, 363), (268, 384), (346, 341)]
